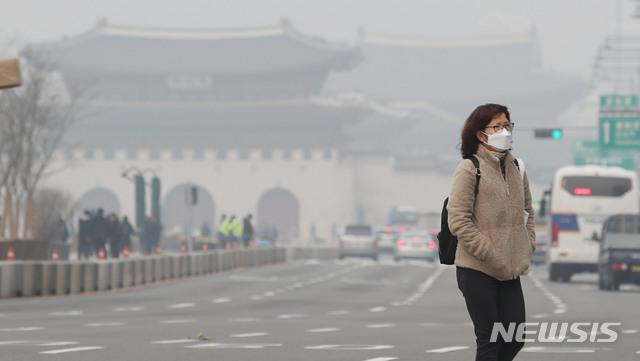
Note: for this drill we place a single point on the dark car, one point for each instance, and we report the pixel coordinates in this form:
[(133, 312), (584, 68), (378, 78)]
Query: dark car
[(619, 260)]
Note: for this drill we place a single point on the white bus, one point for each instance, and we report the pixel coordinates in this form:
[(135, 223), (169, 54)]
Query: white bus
[(581, 198)]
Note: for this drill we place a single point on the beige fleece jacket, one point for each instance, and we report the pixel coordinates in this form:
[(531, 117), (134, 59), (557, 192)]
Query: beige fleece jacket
[(490, 226)]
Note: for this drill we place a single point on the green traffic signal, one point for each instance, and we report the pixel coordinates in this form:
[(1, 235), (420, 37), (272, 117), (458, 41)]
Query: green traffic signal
[(553, 133)]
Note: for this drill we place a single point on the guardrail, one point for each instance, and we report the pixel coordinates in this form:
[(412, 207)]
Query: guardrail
[(45, 278)]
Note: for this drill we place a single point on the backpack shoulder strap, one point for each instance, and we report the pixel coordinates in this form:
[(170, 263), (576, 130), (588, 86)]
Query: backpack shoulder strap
[(520, 165), (475, 162)]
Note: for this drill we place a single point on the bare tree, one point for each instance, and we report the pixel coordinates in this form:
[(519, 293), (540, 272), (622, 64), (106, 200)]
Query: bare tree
[(33, 120), (53, 204)]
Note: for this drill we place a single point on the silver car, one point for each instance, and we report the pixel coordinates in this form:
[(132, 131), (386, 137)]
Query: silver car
[(358, 241), (386, 238), (417, 245)]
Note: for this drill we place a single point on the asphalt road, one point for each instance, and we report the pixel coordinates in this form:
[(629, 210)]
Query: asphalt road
[(306, 310)]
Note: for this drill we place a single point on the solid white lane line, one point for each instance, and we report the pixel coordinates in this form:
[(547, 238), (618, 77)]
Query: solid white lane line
[(255, 334), (183, 305), (422, 288), (75, 349), (32, 328), (448, 349), (167, 342)]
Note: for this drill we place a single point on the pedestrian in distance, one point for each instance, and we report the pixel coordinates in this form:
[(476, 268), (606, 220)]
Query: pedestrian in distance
[(494, 227), (223, 231), (127, 232), (235, 231), (99, 230), (247, 230), (85, 244), (114, 235)]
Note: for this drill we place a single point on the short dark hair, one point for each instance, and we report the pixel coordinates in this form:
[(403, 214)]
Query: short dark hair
[(478, 120)]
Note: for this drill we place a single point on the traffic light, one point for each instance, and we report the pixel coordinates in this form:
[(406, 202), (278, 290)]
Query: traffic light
[(553, 133)]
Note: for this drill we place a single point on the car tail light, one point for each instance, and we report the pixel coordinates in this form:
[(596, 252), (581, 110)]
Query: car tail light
[(582, 191), (387, 229), (400, 243), (432, 244), (554, 234), (619, 266)]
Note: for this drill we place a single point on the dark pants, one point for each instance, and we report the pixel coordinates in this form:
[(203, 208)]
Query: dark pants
[(490, 301)]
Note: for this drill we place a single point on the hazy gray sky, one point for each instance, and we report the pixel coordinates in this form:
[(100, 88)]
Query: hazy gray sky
[(570, 31)]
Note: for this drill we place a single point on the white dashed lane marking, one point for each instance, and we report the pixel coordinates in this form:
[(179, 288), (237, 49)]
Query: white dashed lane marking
[(235, 345), (255, 334), (381, 325), (104, 324), (168, 342), (558, 350), (178, 321), (38, 343), (182, 305), (377, 309), (382, 359), (32, 328), (128, 309), (448, 349), (349, 347), (328, 329), (294, 315), (221, 300), (245, 319), (66, 313), (75, 349), (338, 313)]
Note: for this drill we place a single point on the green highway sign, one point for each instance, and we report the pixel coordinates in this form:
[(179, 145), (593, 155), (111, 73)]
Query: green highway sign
[(619, 132), (618, 101), (588, 152)]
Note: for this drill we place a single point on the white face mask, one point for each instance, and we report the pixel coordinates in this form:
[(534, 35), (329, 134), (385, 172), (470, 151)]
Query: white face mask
[(500, 141)]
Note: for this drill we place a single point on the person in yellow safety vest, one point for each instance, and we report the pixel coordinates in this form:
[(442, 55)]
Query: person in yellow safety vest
[(223, 231), (235, 230)]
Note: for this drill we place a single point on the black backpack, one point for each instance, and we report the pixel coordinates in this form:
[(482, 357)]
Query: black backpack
[(447, 242)]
